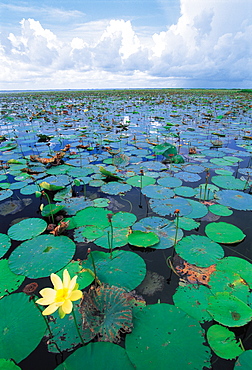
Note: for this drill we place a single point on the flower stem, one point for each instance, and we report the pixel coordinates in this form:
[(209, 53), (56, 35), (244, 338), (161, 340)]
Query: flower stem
[(77, 328), (48, 328)]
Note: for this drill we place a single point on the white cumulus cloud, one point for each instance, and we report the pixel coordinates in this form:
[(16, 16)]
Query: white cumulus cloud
[(210, 43)]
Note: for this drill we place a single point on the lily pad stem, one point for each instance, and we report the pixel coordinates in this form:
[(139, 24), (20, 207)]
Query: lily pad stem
[(77, 328)]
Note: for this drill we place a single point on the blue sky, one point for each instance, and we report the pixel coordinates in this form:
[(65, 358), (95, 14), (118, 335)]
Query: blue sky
[(89, 44)]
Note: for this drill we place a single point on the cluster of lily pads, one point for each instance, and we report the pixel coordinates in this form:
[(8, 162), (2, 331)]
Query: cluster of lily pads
[(108, 178)]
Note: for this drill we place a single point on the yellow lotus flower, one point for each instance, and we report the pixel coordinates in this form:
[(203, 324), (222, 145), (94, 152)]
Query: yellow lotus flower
[(61, 296)]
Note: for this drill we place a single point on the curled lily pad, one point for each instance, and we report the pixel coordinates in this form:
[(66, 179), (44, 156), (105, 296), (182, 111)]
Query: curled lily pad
[(19, 319), (27, 229), (229, 310), (143, 239), (223, 232), (113, 313), (223, 342), (199, 250), (42, 255)]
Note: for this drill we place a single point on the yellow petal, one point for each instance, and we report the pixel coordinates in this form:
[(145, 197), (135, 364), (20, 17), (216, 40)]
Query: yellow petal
[(57, 282), (75, 295), (66, 279), (72, 283), (48, 295), (50, 309), (67, 306)]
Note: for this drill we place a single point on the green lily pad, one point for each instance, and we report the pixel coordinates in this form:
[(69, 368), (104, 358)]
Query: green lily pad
[(199, 210), (100, 202), (118, 239), (157, 192), (85, 276), (199, 250), (244, 361), (94, 216), (42, 255), (125, 269), (229, 281), (140, 181), (123, 219), (223, 342), (64, 331), (27, 229), (188, 224), (188, 176), (4, 194), (9, 281), (164, 207), (220, 210), (239, 266), (21, 324), (235, 199), (8, 365), (193, 299), (5, 244), (115, 188), (143, 239), (229, 310), (92, 232), (29, 189), (159, 342), (185, 191), (163, 228), (222, 232), (169, 182), (112, 355), (51, 209), (228, 182)]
